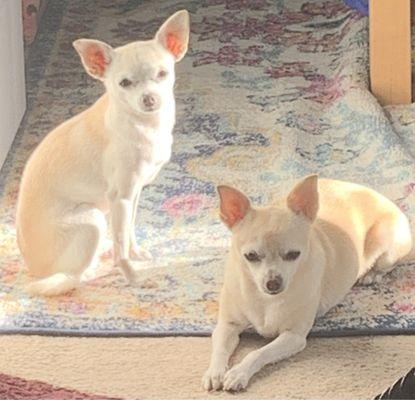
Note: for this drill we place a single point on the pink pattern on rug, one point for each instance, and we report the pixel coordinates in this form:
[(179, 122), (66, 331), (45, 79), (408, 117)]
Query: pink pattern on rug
[(186, 205), (13, 388)]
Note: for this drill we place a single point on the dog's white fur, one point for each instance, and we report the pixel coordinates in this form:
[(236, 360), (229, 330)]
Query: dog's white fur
[(100, 160), (343, 231)]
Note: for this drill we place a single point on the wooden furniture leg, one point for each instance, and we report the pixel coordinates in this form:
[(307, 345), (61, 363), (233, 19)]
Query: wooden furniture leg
[(390, 50)]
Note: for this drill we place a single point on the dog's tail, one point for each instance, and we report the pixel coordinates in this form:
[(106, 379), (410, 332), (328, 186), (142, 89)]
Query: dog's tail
[(53, 285)]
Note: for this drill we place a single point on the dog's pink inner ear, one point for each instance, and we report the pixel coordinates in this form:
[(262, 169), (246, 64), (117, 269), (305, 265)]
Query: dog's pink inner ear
[(173, 35), (303, 199), (174, 45), (96, 56), (96, 61), (234, 205)]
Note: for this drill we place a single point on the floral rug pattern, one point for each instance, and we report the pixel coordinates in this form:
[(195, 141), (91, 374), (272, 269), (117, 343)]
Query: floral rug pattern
[(269, 91)]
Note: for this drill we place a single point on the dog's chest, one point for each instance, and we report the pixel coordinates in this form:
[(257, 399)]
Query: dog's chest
[(141, 152), (159, 149), (153, 150), (267, 318)]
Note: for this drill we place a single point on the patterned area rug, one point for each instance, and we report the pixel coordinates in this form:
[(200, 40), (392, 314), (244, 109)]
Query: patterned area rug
[(270, 90), (13, 388)]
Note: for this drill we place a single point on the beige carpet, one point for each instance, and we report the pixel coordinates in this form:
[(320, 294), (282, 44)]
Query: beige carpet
[(171, 368)]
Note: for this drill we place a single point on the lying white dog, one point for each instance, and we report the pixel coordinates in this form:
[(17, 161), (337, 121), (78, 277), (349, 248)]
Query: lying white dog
[(100, 160), (294, 260)]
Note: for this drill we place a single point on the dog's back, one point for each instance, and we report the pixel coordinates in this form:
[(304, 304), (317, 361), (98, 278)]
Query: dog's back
[(63, 169), (363, 235)]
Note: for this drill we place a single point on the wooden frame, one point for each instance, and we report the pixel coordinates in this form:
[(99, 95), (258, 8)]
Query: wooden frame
[(12, 78), (390, 50)]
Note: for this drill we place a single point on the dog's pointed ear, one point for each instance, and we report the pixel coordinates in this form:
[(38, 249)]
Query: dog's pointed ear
[(303, 199), (173, 35), (96, 56), (234, 205)]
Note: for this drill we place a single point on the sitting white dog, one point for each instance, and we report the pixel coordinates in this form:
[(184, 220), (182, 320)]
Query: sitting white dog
[(295, 260), (100, 160)]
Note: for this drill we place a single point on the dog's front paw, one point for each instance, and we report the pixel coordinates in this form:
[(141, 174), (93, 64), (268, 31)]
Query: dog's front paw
[(370, 278), (236, 379), (139, 254), (213, 378), (128, 271)]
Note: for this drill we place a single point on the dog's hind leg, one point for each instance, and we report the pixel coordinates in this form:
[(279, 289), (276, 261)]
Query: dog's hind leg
[(387, 242), (78, 234)]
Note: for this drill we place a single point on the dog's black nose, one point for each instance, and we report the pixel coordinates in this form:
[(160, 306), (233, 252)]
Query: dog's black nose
[(149, 101), (274, 285)]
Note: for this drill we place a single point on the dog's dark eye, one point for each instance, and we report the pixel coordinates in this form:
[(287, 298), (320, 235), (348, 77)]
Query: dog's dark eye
[(252, 256), (125, 83), (291, 255), (162, 74)]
